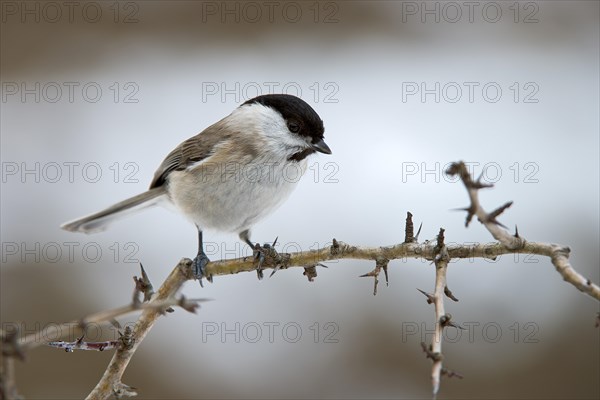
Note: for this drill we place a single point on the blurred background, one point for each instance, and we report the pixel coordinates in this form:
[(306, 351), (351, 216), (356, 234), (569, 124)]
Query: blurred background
[(95, 94)]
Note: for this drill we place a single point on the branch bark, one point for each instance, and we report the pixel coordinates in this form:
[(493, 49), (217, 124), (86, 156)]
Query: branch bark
[(558, 254)]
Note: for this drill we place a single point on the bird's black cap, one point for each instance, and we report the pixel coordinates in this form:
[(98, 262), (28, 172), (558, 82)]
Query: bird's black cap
[(295, 111)]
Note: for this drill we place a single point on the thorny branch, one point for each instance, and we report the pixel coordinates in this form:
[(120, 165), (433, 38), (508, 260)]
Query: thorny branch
[(426, 250), (442, 319), (441, 264), (32, 340), (438, 252), (559, 255), (154, 306), (110, 384)]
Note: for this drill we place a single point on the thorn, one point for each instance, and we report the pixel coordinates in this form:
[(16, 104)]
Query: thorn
[(379, 264), (322, 265), (385, 271), (440, 237), (479, 185), (375, 284), (275, 241), (115, 324), (516, 232), (451, 374), (457, 326), (188, 305), (449, 294), (454, 169), (445, 319), (121, 390), (430, 297), (409, 228), (418, 232), (498, 223), (470, 212), (470, 215), (491, 217), (277, 268), (478, 180), (461, 209), (142, 285), (431, 354), (144, 274), (460, 169)]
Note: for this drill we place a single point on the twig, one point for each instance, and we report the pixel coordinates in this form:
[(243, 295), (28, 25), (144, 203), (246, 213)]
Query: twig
[(449, 294), (110, 384), (81, 344), (340, 250), (142, 285), (443, 319), (559, 255), (32, 340), (439, 253), (441, 264), (8, 385), (380, 264)]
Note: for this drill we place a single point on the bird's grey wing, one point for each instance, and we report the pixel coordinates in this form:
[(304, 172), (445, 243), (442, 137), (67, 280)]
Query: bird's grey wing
[(194, 149)]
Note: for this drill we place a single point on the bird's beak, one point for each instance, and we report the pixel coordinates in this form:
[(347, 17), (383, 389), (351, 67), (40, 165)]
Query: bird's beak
[(321, 147)]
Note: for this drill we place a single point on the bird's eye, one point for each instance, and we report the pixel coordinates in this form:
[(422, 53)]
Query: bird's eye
[(293, 127)]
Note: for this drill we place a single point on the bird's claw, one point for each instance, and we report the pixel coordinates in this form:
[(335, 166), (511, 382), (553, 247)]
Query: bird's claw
[(198, 264), (259, 255)]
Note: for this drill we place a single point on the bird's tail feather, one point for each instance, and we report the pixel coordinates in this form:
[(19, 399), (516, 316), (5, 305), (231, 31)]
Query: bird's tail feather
[(99, 221)]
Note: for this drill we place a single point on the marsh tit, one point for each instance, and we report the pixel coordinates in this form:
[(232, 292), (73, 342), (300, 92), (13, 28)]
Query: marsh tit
[(233, 173)]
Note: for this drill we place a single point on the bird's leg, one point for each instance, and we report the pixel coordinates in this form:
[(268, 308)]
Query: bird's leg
[(257, 250), (200, 261)]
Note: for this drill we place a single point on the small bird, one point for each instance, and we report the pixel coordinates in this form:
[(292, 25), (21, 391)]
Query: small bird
[(232, 174)]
